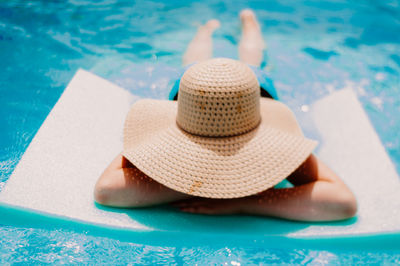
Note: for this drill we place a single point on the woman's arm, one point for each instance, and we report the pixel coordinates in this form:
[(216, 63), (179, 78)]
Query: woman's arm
[(318, 195), (123, 185)]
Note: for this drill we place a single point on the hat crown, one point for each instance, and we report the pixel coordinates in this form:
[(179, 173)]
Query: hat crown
[(218, 98)]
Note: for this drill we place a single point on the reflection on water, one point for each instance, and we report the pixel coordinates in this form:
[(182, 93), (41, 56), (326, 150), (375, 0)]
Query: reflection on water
[(22, 245), (314, 48)]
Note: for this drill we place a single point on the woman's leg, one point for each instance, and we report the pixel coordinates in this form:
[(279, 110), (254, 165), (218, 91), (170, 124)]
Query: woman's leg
[(200, 48), (251, 45)]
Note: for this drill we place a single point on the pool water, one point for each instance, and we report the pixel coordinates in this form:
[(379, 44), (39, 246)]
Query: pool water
[(314, 48)]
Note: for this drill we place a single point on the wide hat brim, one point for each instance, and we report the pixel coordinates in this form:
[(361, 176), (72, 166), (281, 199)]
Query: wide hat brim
[(214, 167)]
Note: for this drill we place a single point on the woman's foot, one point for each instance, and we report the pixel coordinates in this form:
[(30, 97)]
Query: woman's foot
[(249, 21), (212, 25), (200, 48), (251, 45)]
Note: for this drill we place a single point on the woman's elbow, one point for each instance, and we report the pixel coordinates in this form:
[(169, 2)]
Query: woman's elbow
[(348, 205), (344, 206), (104, 194), (109, 194), (334, 202)]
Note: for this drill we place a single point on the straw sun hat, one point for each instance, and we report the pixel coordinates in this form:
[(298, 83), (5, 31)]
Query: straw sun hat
[(220, 139)]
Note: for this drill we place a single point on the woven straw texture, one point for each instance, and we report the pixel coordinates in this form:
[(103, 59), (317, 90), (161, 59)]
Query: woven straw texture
[(177, 145), (217, 98)]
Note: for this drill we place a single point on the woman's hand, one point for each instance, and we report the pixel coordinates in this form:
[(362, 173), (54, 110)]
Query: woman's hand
[(211, 206)]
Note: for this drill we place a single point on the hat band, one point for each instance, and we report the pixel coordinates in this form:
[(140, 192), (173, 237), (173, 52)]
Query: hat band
[(248, 129)]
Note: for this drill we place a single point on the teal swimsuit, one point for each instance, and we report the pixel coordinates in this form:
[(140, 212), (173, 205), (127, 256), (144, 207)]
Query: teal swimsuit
[(266, 85)]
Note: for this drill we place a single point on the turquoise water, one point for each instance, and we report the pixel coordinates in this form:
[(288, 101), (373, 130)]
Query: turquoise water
[(314, 48)]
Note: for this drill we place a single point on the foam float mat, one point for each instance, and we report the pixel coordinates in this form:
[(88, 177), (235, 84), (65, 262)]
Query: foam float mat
[(52, 186)]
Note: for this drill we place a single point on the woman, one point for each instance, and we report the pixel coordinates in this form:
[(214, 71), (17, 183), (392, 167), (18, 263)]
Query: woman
[(318, 194)]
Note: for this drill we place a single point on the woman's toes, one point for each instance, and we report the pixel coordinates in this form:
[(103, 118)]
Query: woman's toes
[(247, 14), (249, 20), (213, 24)]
